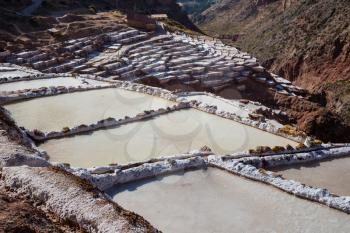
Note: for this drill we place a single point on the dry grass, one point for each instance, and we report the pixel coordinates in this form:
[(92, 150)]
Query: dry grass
[(293, 131), (278, 148)]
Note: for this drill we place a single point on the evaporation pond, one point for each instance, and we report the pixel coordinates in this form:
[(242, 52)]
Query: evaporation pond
[(50, 82), (333, 175), (86, 107), (169, 134), (216, 201)]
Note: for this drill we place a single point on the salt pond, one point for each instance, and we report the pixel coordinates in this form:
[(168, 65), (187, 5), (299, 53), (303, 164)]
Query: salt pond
[(331, 174), (216, 201), (229, 105), (224, 105), (176, 132), (61, 81), (87, 107), (8, 72)]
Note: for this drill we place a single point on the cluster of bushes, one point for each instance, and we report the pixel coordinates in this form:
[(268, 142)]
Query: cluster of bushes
[(290, 130), (259, 150)]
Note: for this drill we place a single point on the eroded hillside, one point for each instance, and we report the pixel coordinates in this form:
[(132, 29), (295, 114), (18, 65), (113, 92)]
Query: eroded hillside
[(305, 41)]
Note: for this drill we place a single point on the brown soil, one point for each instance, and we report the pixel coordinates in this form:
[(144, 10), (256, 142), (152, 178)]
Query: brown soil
[(20, 32), (230, 93), (18, 215), (307, 113)]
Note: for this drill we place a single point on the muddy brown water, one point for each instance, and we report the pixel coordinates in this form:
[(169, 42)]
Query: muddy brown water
[(216, 201), (169, 134), (60, 81), (333, 175), (87, 107)]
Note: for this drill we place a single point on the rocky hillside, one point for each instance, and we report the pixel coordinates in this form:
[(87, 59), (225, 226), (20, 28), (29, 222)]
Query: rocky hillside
[(19, 31), (169, 7), (306, 41), (14, 4), (193, 7)]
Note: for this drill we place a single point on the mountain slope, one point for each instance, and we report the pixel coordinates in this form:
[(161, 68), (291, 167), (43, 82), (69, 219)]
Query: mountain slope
[(306, 41)]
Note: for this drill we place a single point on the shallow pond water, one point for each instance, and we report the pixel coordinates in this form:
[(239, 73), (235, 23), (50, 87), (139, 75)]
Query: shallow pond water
[(87, 107), (216, 201), (227, 106), (169, 134), (333, 175), (60, 81)]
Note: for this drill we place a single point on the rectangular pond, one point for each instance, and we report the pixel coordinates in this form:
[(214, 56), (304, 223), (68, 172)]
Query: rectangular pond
[(86, 107), (51, 82), (227, 106), (333, 175), (10, 72), (169, 134), (216, 201)]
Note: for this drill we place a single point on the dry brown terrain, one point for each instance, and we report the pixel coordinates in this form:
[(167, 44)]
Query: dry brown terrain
[(21, 215)]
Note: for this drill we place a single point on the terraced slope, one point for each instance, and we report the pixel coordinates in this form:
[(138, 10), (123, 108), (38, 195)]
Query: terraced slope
[(178, 61), (305, 41), (103, 45)]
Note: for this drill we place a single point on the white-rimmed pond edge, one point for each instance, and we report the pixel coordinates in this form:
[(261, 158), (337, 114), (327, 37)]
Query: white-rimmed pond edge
[(265, 126), (72, 200), (212, 200), (85, 107), (48, 82), (107, 177), (175, 132), (333, 174)]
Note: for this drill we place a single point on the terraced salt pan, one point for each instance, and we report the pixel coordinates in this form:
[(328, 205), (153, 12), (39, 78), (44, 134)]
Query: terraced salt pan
[(173, 133), (232, 106), (15, 71), (227, 106), (73, 109), (12, 73), (227, 203), (61, 81), (331, 174)]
